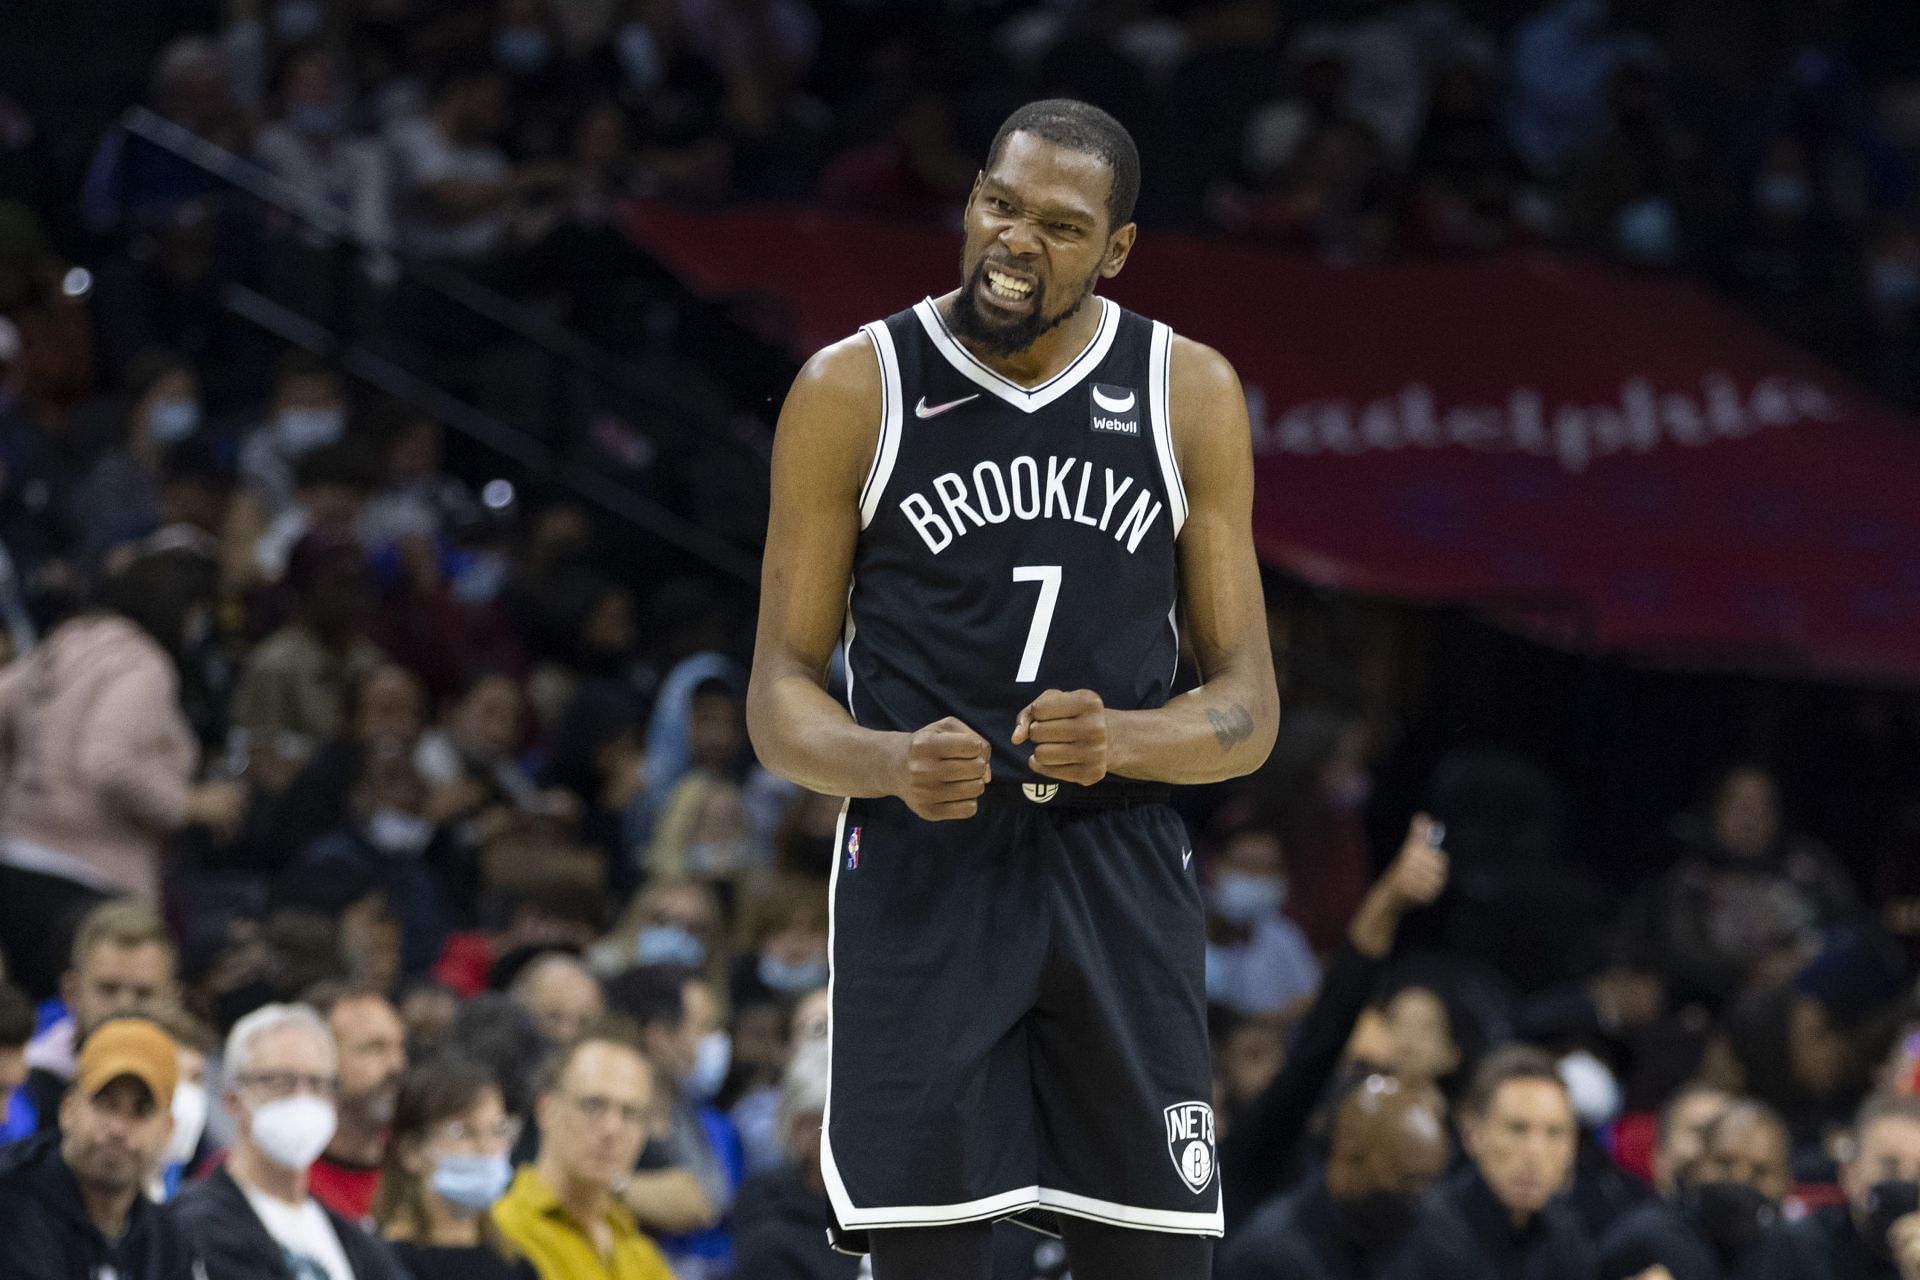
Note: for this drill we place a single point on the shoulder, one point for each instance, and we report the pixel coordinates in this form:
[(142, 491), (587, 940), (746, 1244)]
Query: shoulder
[(1198, 373), (843, 374)]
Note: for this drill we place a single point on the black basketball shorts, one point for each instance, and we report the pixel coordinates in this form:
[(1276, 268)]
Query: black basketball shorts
[(1018, 1023)]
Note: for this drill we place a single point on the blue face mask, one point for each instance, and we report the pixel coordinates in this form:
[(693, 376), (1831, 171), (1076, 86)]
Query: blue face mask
[(1245, 899), (472, 1183), (669, 944), (171, 421), (792, 979), (522, 48)]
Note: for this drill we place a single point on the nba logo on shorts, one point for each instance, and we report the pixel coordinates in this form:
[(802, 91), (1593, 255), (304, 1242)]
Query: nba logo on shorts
[(1190, 1142), (853, 849)]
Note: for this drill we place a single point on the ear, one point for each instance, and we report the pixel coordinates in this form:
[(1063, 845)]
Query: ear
[(70, 989), (70, 1104), (973, 192), (1119, 245), (543, 1113)]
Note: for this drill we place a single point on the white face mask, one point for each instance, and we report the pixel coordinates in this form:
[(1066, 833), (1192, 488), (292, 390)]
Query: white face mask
[(292, 1132), (398, 833), (189, 1120), (171, 421)]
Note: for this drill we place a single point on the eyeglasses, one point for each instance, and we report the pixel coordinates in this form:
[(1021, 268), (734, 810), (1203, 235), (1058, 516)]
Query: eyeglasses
[(285, 1083), (597, 1109), (503, 1134)]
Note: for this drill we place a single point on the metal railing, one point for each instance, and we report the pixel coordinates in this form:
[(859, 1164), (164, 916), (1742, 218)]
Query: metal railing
[(342, 307)]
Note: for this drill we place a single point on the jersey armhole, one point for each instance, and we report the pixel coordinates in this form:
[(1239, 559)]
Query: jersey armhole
[(887, 448), (1159, 367)]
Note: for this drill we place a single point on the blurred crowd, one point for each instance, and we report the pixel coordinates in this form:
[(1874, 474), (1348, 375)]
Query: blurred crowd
[(387, 886)]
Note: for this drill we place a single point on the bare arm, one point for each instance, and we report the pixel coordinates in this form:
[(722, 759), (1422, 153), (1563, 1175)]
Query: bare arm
[(821, 453), (1225, 727)]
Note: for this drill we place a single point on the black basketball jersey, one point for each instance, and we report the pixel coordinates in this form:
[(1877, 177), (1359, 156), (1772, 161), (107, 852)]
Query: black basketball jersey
[(1014, 539)]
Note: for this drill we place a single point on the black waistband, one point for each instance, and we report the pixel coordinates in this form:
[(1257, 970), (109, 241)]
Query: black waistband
[(1108, 793)]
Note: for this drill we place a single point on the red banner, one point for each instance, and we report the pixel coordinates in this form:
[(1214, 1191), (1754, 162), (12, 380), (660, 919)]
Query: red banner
[(1602, 460)]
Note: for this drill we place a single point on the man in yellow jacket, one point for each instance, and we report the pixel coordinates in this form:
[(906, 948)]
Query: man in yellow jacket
[(594, 1107)]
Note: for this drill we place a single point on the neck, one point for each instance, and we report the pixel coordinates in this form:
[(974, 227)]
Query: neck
[(585, 1201), (107, 1210), (446, 1228), (1049, 353), (252, 1169), (357, 1142)]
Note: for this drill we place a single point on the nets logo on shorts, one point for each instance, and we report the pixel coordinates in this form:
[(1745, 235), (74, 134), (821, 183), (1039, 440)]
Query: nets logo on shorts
[(1190, 1143), (853, 849), (1040, 792)]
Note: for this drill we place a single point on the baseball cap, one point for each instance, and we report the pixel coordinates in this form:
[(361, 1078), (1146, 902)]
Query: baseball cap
[(129, 1047)]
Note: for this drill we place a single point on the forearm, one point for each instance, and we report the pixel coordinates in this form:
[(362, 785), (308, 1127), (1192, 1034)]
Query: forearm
[(1223, 729), (804, 736)]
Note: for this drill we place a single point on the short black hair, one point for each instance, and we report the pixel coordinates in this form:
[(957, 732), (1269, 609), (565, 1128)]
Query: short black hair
[(651, 995), (1083, 127)]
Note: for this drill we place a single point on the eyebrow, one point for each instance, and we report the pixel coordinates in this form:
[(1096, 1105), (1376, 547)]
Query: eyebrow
[(1052, 213)]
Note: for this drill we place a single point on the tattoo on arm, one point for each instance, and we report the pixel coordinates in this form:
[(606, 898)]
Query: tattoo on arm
[(1232, 726)]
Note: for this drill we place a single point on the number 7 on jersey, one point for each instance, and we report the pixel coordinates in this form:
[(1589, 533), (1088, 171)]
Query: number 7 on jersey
[(1048, 576)]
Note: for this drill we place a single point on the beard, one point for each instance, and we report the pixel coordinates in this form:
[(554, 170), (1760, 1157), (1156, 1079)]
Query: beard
[(1001, 338)]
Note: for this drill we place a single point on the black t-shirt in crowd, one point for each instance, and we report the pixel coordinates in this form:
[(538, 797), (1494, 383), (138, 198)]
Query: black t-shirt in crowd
[(478, 1262)]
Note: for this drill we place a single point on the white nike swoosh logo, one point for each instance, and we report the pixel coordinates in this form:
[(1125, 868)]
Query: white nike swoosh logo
[(925, 410), (1110, 404), (1186, 856)]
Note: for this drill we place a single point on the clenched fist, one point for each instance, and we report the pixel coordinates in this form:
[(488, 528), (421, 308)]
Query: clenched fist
[(947, 766), (1069, 733)]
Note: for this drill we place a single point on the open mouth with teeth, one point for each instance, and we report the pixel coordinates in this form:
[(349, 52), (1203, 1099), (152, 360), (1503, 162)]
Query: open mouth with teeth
[(1006, 290)]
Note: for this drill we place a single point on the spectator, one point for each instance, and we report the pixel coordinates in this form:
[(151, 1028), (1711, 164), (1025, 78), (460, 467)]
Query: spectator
[(1742, 1186), (309, 145), (254, 1216), (594, 1108), (1563, 59), (670, 923), (135, 185), (386, 706), (99, 760), (17, 1119), (785, 928), (119, 498), (691, 1170), (308, 410), (454, 188), (468, 759), (372, 1049), (123, 962), (1496, 1218), (780, 1222), (1851, 1241), (1258, 961), (446, 1166), (293, 694), (185, 1147), (1261, 1148), (1671, 1231), (1389, 1146), (71, 1203), (330, 488), (1746, 908), (561, 995)]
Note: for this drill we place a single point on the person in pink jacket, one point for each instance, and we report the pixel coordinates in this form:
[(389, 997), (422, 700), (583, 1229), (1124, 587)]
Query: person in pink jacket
[(97, 762)]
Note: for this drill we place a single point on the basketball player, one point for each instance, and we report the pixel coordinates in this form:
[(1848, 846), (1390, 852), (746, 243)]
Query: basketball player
[(1003, 502)]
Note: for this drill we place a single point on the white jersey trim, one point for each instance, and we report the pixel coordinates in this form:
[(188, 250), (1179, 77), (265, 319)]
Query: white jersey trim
[(1159, 409), (1025, 399), (887, 448)]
